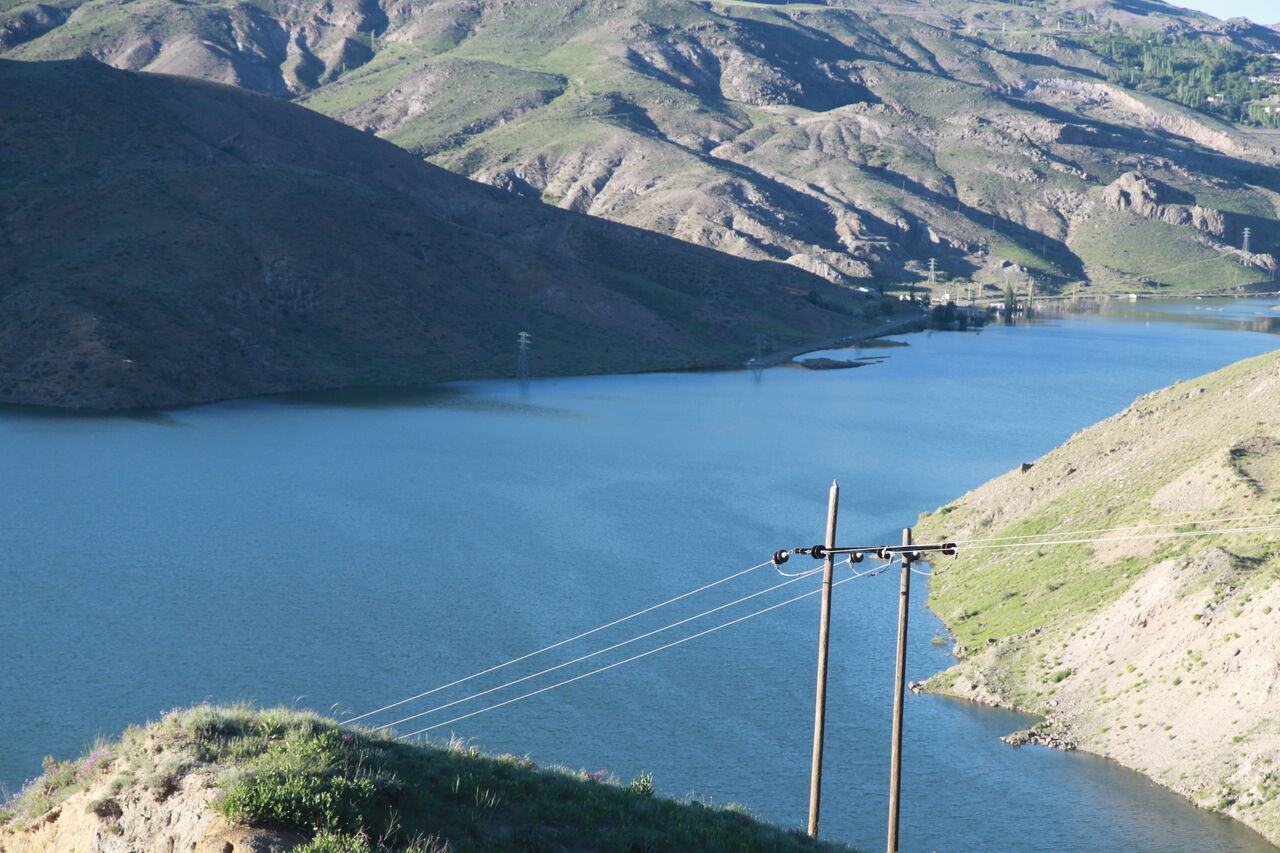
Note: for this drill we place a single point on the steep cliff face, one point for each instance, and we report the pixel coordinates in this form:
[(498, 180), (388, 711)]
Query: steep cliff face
[(166, 241), (1152, 645), (851, 141)]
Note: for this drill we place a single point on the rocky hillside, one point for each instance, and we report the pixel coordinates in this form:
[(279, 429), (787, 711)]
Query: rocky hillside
[(1161, 651), (853, 140), (165, 240), (237, 780)]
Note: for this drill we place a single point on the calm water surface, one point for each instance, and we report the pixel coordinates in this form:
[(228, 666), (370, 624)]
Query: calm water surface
[(351, 549)]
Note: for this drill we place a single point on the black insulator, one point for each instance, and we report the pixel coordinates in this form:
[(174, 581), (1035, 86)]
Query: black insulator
[(780, 557)]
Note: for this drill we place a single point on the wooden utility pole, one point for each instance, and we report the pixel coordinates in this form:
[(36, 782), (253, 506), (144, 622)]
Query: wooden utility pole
[(899, 688), (824, 634)]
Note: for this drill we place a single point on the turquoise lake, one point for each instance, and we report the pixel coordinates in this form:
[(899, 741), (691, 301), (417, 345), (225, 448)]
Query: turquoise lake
[(346, 550)]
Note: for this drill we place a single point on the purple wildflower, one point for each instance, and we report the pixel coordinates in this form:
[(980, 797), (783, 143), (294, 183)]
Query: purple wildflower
[(93, 760), (11, 801)]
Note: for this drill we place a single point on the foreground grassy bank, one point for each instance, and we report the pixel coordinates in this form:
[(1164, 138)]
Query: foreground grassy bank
[(228, 779), (1162, 652)]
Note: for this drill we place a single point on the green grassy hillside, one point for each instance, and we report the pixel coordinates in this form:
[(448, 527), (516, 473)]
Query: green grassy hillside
[(235, 778), (1161, 651)]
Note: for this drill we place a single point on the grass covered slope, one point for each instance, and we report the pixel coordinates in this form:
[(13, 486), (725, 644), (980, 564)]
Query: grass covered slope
[(167, 240), (233, 779), (1162, 653)]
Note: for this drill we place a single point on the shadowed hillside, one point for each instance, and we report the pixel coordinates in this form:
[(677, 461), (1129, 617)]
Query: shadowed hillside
[(165, 240)]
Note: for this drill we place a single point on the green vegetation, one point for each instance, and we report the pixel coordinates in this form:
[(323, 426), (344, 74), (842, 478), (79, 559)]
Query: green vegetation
[(947, 317), (1221, 79), (1147, 254), (1138, 637), (351, 790)]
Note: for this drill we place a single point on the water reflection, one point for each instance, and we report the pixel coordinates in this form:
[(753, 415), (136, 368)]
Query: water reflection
[(1254, 314)]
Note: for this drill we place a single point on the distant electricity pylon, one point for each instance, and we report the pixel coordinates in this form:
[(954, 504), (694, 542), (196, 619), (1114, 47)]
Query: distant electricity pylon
[(933, 272), (1247, 233), (522, 356)]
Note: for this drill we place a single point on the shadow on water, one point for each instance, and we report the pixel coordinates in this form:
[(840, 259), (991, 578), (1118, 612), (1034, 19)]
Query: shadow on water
[(367, 398), (422, 397), (51, 414)]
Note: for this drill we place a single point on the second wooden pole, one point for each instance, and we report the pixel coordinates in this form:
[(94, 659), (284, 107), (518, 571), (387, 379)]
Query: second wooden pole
[(899, 688)]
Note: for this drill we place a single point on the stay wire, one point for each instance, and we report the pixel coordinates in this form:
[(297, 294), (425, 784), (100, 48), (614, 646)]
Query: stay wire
[(630, 659), (556, 645), (593, 654), (798, 574), (869, 573)]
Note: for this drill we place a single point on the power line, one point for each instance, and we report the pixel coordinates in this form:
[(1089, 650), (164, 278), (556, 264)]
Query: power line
[(558, 644), (1124, 538), (625, 660), (593, 654), (1119, 527)]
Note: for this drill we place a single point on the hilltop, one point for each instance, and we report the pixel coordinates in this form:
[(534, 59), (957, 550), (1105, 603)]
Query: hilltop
[(235, 779), (1094, 144), (165, 240), (1161, 653)]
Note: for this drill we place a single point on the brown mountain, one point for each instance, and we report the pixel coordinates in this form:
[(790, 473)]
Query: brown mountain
[(854, 139), (165, 240)]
